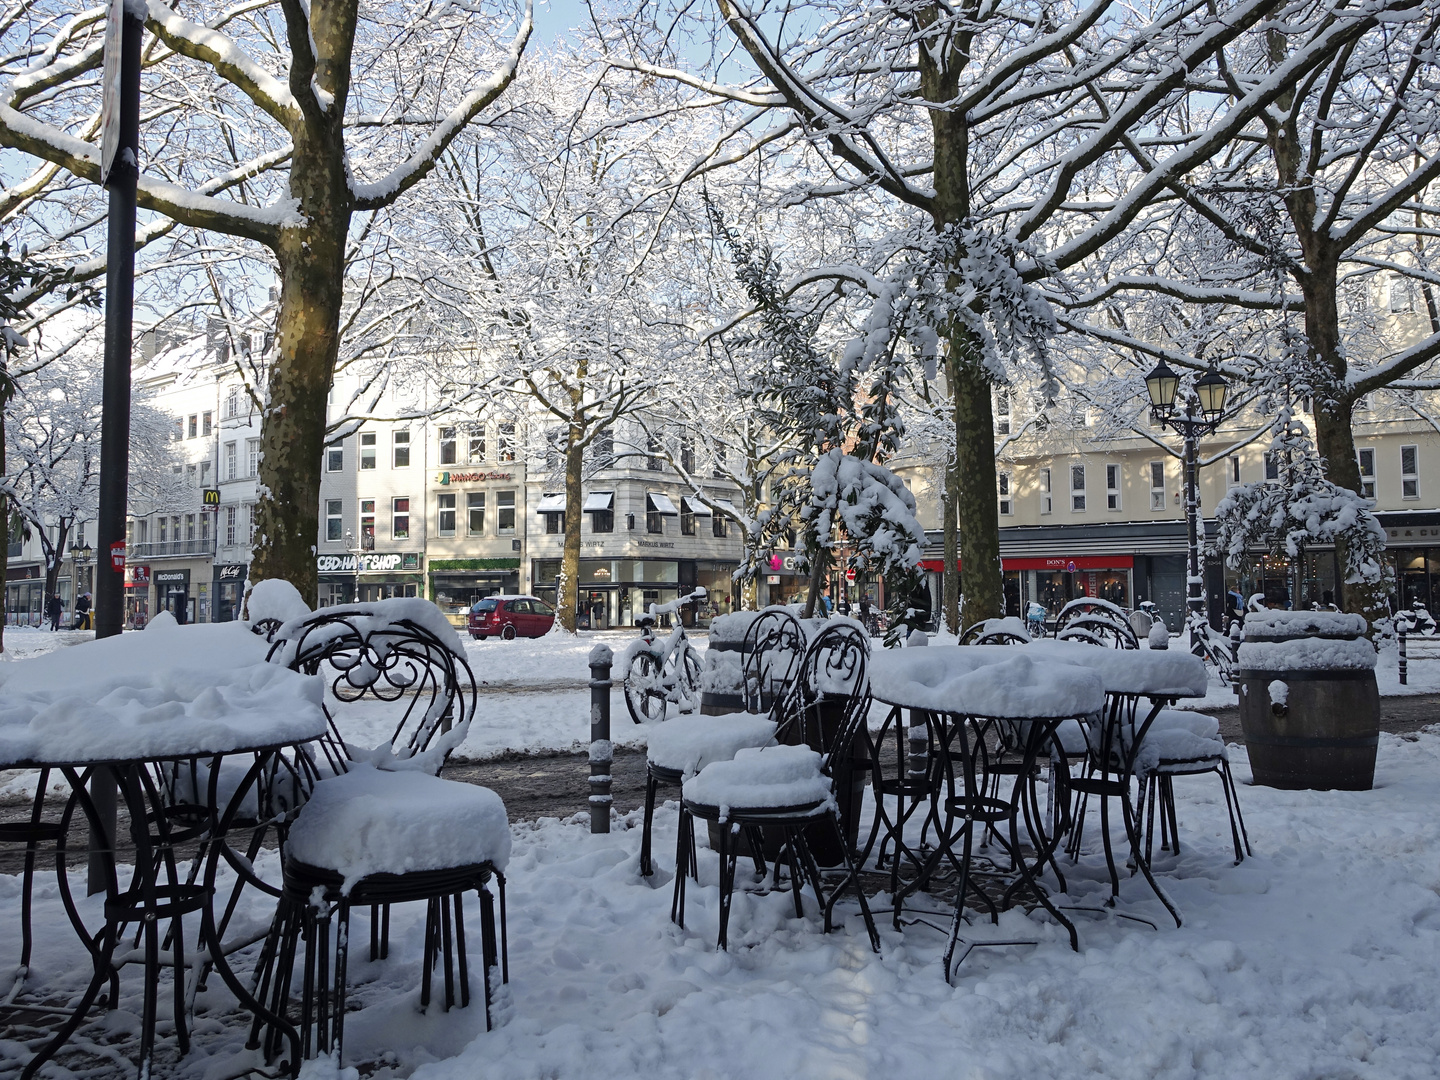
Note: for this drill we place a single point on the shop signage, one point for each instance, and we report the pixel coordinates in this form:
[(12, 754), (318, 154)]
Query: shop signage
[(210, 497), (369, 563), (653, 544), (772, 579), (1059, 564), (444, 478), (117, 556), (137, 575), (172, 577), (233, 572)]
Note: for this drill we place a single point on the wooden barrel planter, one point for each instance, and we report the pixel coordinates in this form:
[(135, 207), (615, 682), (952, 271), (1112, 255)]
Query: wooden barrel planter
[(1312, 720)]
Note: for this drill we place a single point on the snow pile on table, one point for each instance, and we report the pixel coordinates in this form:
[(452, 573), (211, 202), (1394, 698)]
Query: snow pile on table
[(170, 690), (367, 821), (688, 743), (986, 680), (1305, 641), (1161, 672), (768, 778)]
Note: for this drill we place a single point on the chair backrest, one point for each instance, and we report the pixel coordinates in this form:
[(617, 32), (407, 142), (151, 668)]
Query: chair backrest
[(1099, 629), (381, 654), (830, 702), (772, 655)]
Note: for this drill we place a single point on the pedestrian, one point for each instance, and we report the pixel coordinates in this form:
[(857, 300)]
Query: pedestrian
[(56, 611), (920, 603), (82, 612)]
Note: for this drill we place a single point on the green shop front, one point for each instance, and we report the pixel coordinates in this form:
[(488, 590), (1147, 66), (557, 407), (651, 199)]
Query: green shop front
[(455, 584)]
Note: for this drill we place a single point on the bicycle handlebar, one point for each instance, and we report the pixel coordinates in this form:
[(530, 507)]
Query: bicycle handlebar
[(674, 606)]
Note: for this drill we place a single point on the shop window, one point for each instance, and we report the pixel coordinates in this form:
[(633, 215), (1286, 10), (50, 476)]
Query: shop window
[(230, 461), (334, 520), (334, 458), (1077, 488), (1157, 485), (1366, 457), (400, 458), (447, 446), (1007, 505), (505, 513), (718, 526), (505, 443), (1409, 472), (477, 447), (252, 457), (400, 518), (1002, 412), (206, 423), (367, 524), (367, 450), (1047, 500), (475, 512), (445, 515), (1112, 487)]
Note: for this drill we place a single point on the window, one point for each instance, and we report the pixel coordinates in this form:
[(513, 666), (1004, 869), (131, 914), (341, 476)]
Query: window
[(1007, 505), (445, 505), (687, 457), (162, 532), (1002, 412), (1157, 485), (505, 513), (232, 520), (554, 524), (1366, 456), (190, 475), (205, 526), (400, 458), (334, 521), (1409, 472), (367, 450), (250, 524), (687, 519), (477, 448), (179, 432), (144, 530), (555, 438), (192, 428), (718, 525), (1047, 500), (190, 527), (252, 457), (1234, 470), (475, 512), (400, 518), (206, 423), (654, 520), (1112, 487), (1272, 466), (602, 521), (232, 403), (1077, 488), (604, 452), (204, 474), (505, 443), (652, 450), (447, 446), (367, 524), (1402, 296), (335, 458), (718, 472)]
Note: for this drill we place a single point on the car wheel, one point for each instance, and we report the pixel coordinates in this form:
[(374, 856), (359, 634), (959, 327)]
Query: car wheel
[(478, 637), (508, 633)]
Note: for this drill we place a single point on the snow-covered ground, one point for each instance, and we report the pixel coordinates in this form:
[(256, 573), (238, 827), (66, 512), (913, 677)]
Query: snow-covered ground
[(1318, 957)]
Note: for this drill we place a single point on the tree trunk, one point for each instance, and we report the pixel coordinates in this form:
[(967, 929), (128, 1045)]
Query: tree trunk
[(977, 510), (4, 527), (951, 570), (569, 595), (53, 557)]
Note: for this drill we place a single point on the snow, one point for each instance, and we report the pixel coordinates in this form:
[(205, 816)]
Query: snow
[(756, 778), (1307, 654), (1281, 625), (275, 599), (1158, 672), (369, 617), (368, 821), (986, 680), (1178, 737), (689, 743), (166, 691)]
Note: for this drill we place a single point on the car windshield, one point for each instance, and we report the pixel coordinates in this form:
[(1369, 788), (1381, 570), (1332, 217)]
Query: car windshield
[(483, 607)]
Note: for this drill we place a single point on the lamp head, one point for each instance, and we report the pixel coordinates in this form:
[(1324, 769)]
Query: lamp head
[(1162, 384), (1211, 389)]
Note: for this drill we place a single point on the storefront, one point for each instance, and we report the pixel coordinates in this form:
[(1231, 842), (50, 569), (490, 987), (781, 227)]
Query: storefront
[(137, 596), (346, 579), (786, 580), (1054, 582), (228, 588), (614, 592), (172, 594), (24, 596), (455, 584)]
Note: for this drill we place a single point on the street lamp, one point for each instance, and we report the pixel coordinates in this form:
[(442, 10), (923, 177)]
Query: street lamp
[(1204, 410), (80, 555)]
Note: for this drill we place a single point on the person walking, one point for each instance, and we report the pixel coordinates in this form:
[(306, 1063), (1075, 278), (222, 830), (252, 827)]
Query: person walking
[(82, 612), (56, 611)]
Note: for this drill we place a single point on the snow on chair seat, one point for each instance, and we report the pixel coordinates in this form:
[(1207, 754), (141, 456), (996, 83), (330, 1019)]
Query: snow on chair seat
[(783, 778), (688, 744)]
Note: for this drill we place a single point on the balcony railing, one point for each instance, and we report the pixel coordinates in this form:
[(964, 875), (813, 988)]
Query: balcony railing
[(170, 549)]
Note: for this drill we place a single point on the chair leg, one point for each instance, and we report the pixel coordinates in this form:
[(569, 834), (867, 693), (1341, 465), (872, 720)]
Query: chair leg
[(442, 908), (852, 872), (677, 898), (1167, 795), (651, 785), (342, 964), (1232, 804), (504, 933), (959, 917), (727, 880), (487, 946), (461, 959), (428, 954)]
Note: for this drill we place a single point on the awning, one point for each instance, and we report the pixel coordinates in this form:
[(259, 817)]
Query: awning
[(659, 503), (551, 504), (695, 506), (598, 501)]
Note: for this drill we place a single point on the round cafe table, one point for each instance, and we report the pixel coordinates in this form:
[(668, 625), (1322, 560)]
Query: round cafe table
[(198, 734)]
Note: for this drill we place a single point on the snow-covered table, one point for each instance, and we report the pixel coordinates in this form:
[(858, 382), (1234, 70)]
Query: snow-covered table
[(144, 710)]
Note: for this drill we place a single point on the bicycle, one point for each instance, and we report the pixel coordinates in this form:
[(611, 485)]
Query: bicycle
[(657, 674)]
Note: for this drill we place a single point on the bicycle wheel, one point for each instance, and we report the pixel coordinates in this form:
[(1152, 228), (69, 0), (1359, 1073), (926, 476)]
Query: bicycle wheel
[(644, 694), (688, 685)]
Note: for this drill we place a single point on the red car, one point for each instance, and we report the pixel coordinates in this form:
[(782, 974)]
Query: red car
[(510, 617)]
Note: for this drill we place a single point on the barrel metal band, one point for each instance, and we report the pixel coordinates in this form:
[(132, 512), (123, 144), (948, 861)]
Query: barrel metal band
[(1336, 675), (1358, 742)]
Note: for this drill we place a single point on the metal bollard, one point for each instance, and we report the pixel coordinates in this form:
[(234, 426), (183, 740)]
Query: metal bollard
[(1404, 673), (601, 751)]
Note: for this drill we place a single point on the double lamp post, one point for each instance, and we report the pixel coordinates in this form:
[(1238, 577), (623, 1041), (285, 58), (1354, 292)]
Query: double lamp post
[(1204, 409)]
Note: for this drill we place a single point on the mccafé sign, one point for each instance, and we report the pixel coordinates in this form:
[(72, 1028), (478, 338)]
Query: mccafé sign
[(446, 478)]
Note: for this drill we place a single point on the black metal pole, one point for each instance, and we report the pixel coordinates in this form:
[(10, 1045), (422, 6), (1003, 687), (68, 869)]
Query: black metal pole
[(601, 751), (1194, 593), (109, 604)]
